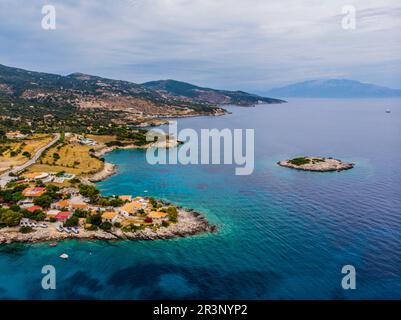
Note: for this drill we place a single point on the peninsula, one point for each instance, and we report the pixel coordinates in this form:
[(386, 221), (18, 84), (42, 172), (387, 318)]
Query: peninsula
[(317, 164)]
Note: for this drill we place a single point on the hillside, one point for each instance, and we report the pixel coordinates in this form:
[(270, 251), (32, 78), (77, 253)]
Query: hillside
[(334, 88), (190, 92), (35, 100)]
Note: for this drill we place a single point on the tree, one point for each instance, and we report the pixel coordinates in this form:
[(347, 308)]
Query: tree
[(72, 221), (56, 156), (172, 214), (106, 226), (11, 218), (44, 201), (95, 219), (89, 191), (26, 154)]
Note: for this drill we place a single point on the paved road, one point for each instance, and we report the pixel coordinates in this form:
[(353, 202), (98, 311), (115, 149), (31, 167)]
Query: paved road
[(6, 178)]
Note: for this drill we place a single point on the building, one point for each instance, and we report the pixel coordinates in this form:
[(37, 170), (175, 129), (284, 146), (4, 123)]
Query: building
[(61, 204), (34, 208), (110, 217), (69, 191), (52, 213), (82, 206), (31, 176), (125, 198), (157, 215), (15, 135), (33, 192), (63, 216), (130, 208)]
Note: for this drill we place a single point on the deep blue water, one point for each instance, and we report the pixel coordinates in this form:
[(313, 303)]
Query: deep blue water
[(283, 234)]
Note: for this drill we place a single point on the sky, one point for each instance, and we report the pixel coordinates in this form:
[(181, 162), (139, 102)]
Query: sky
[(251, 45)]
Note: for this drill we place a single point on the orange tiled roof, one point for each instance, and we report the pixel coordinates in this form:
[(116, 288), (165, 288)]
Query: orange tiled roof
[(33, 192), (79, 205), (109, 215), (156, 215)]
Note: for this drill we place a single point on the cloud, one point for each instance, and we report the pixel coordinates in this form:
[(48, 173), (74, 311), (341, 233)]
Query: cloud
[(250, 45)]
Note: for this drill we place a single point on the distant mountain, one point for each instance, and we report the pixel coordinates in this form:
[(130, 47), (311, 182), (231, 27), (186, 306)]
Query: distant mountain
[(334, 88), (178, 89)]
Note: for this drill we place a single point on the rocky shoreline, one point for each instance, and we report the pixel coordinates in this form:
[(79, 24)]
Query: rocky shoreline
[(189, 223), (316, 164)]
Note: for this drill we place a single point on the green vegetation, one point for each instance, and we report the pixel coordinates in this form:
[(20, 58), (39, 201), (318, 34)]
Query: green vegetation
[(73, 221), (95, 219), (37, 215), (89, 191), (172, 214), (299, 161), (44, 201), (26, 229), (10, 218), (106, 226)]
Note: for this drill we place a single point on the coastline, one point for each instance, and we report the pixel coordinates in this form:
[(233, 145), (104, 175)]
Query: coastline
[(190, 223)]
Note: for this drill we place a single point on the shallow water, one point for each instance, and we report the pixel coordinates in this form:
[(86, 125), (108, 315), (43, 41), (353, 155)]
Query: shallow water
[(283, 234)]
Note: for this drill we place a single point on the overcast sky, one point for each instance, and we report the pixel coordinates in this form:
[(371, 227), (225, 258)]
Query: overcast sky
[(251, 45)]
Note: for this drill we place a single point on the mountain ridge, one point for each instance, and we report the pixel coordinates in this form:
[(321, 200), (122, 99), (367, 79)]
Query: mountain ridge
[(174, 88), (334, 88)]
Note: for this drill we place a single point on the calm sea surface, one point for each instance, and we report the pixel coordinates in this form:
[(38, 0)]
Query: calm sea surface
[(283, 234)]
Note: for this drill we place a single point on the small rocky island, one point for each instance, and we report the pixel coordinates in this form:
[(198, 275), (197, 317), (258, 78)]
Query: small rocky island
[(317, 164)]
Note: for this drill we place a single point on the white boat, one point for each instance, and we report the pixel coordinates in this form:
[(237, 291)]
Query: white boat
[(64, 256), (388, 111)]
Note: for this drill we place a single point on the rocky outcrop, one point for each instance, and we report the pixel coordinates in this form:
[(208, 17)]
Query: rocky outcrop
[(317, 164)]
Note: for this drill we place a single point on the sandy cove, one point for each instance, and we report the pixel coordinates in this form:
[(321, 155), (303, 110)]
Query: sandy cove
[(110, 169), (189, 223)]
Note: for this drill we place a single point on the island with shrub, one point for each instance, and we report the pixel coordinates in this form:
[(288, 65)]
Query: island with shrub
[(318, 164)]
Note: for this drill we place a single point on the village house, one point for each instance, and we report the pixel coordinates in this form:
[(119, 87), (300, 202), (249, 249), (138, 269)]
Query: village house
[(63, 216), (32, 193), (69, 192), (130, 208), (60, 205), (125, 198), (34, 208), (52, 213), (110, 217)]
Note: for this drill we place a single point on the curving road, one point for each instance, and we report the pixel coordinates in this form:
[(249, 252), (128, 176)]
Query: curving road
[(6, 178)]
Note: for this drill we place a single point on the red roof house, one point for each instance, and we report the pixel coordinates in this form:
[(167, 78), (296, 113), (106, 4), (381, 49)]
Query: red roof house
[(34, 208), (62, 216)]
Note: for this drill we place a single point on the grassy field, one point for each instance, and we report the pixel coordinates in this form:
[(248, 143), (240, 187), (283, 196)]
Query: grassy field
[(102, 139), (12, 152), (69, 157)]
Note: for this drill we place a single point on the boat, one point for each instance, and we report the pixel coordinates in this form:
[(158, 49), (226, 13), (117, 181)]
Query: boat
[(53, 244), (64, 256), (388, 111)]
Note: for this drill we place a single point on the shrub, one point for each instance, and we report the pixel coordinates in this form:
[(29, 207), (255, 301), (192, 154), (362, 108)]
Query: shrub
[(25, 229), (106, 226)]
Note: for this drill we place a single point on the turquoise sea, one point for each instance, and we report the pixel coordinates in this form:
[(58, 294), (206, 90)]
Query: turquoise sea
[(282, 234)]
